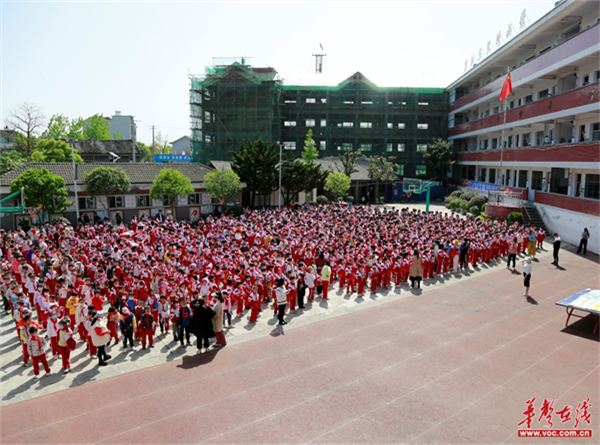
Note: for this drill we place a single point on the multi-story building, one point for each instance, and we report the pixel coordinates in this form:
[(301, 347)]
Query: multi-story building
[(237, 103), (549, 148), (7, 139)]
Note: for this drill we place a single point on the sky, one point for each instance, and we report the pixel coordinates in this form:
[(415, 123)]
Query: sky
[(83, 58)]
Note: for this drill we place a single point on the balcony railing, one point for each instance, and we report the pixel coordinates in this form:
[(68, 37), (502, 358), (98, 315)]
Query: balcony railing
[(581, 41), (561, 153), (573, 203), (588, 94)]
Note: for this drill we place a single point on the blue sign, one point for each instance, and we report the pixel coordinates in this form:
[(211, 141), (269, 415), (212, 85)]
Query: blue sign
[(172, 158)]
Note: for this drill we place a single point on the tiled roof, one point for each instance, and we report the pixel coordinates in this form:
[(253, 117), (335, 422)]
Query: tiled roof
[(99, 147), (138, 173)]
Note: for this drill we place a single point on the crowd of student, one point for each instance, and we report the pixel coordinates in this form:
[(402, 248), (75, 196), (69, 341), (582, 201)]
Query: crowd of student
[(101, 283)]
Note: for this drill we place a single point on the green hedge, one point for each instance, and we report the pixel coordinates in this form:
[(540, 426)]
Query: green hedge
[(321, 199), (515, 217)]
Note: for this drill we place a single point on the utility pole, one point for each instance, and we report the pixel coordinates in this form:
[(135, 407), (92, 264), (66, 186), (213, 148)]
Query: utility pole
[(75, 183), (153, 153), (133, 136)]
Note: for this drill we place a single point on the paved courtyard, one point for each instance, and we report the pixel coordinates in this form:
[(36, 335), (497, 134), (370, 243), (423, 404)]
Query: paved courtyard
[(453, 364)]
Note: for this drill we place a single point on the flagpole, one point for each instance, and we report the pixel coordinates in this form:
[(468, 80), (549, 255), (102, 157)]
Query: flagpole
[(502, 140)]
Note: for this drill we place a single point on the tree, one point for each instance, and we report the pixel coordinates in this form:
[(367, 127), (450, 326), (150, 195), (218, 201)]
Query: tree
[(9, 160), (348, 160), (60, 127), (256, 166), (438, 158), (299, 176), (96, 127), (49, 150), (338, 184), (161, 144), (221, 184), (170, 186), (310, 152), (145, 152), (107, 182), (44, 189), (381, 170), (117, 136), (27, 118)]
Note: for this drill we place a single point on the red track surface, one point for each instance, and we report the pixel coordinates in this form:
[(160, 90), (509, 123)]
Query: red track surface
[(453, 365)]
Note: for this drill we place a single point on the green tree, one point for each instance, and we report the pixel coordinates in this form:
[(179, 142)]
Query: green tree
[(107, 182), (60, 127), (310, 152), (381, 170), (161, 144), (438, 158), (222, 184), (96, 127), (170, 186), (28, 119), (338, 184), (117, 136), (145, 152), (42, 188), (9, 160), (299, 176), (348, 160), (256, 166), (50, 150)]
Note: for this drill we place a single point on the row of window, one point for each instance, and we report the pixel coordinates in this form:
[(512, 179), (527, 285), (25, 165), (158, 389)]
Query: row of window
[(117, 202), (323, 100), (323, 122), (349, 146)]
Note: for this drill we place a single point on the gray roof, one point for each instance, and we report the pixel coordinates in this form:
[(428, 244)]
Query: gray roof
[(102, 147), (333, 165), (138, 173)]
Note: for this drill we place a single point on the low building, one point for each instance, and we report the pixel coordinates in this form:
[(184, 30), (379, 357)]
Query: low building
[(7, 139), (136, 202), (182, 146), (93, 150)]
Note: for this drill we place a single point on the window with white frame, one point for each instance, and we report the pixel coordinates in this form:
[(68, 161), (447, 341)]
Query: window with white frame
[(422, 126), (289, 145), (421, 148), (143, 201), (400, 171), (194, 198), (289, 123), (421, 170), (366, 125), (390, 125), (347, 146), (290, 101), (596, 131), (366, 147), (322, 145), (310, 122), (423, 104), (389, 147), (86, 203), (311, 100), (401, 126), (116, 202), (323, 122), (401, 147), (347, 124)]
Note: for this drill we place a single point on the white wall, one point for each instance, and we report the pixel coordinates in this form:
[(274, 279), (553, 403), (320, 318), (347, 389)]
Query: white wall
[(569, 225)]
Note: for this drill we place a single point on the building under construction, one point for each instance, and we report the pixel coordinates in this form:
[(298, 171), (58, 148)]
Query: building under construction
[(236, 103)]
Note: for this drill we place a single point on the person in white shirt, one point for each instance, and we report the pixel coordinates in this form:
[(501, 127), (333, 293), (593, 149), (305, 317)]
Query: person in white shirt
[(281, 295), (527, 266)]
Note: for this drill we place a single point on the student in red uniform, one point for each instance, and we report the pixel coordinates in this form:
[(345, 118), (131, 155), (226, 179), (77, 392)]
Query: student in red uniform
[(36, 347)]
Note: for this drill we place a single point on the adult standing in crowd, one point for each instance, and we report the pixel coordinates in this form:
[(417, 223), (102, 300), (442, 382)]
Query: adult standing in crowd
[(100, 337), (584, 240), (218, 322), (281, 295), (527, 266), (202, 324), (556, 248), (416, 270)]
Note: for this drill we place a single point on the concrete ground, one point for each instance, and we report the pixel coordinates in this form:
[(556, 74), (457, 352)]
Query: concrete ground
[(454, 363)]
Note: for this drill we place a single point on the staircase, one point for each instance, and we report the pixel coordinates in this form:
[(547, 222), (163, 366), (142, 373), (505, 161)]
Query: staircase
[(532, 218)]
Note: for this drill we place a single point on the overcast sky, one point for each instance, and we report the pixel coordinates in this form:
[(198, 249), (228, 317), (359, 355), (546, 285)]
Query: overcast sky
[(83, 58)]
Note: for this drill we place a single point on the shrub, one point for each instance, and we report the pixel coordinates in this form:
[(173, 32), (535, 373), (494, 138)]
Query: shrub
[(25, 224), (349, 198), (60, 220), (454, 204), (477, 200), (515, 217), (456, 194), (467, 196), (483, 206), (236, 211), (322, 199), (474, 210), (464, 204)]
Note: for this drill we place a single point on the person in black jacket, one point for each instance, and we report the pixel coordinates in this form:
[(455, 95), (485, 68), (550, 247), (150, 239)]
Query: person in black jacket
[(556, 248), (202, 326)]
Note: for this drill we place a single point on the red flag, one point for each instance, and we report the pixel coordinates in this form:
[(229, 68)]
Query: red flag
[(506, 88), (321, 47)]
